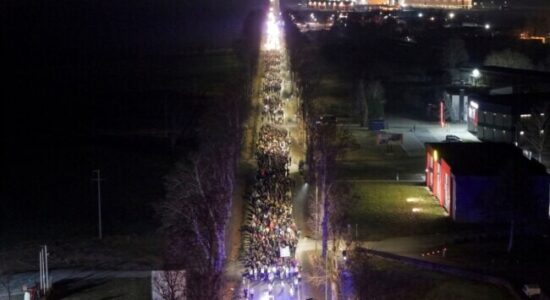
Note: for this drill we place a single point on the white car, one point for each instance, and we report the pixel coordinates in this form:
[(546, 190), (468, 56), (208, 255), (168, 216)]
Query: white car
[(531, 290)]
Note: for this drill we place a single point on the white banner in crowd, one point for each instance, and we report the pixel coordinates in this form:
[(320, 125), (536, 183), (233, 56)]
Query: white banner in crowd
[(285, 251)]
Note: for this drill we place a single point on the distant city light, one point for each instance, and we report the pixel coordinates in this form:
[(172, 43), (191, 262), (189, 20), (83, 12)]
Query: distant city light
[(420, 15), (476, 73), (432, 18), (522, 132), (451, 15), (487, 26)]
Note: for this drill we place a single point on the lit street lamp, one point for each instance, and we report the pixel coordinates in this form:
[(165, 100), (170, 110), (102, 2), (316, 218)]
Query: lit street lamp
[(475, 75)]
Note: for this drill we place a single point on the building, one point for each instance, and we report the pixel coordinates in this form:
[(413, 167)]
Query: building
[(449, 4), (522, 81), (496, 117), (456, 104), (467, 179)]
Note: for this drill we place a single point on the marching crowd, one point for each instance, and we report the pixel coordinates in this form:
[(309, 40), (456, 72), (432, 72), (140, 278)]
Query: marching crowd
[(271, 89), (272, 233)]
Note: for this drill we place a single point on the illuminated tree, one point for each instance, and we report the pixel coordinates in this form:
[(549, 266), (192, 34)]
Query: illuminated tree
[(170, 285)]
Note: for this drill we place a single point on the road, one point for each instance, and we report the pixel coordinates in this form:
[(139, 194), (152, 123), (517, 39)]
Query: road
[(281, 288)]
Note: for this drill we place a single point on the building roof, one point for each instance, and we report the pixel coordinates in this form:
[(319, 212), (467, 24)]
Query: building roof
[(521, 103), (509, 71), (483, 159)]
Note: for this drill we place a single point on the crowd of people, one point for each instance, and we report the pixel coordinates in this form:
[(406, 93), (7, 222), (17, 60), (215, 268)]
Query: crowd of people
[(270, 228), (271, 88)]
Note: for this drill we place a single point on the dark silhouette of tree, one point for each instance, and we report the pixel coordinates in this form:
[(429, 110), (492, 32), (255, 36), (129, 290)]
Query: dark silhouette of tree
[(361, 103), (546, 63), (537, 24), (508, 59), (329, 142), (516, 204), (6, 277), (361, 272), (342, 202), (199, 191), (454, 53), (376, 98)]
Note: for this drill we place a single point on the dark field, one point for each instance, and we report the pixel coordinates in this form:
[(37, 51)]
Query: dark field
[(112, 85)]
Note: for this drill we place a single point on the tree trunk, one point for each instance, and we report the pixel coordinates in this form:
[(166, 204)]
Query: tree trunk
[(511, 237), (324, 200)]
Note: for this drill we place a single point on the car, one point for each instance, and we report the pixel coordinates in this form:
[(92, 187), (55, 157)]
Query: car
[(452, 139), (531, 290)]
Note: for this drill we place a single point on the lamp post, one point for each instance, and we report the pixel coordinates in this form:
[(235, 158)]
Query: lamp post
[(475, 75), (99, 218)]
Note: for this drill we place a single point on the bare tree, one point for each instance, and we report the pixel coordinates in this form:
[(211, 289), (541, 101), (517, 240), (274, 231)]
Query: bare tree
[(517, 204), (342, 202), (360, 269), (508, 59), (454, 53), (329, 142), (170, 285), (198, 200)]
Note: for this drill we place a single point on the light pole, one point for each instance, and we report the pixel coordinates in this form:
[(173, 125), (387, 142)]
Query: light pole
[(98, 179), (326, 276), (475, 75)]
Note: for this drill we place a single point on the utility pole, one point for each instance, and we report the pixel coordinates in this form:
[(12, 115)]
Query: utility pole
[(98, 179), (326, 278), (44, 273)]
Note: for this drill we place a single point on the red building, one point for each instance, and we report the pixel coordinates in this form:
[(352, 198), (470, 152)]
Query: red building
[(467, 179)]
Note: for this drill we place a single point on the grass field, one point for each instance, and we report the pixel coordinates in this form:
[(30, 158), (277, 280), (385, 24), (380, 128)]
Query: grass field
[(371, 161), (386, 210), (384, 279)]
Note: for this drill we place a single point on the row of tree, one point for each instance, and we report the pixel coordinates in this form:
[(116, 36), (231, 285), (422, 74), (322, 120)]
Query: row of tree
[(330, 201), (196, 210)]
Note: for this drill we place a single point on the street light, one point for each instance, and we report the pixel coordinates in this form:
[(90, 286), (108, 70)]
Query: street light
[(475, 75)]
